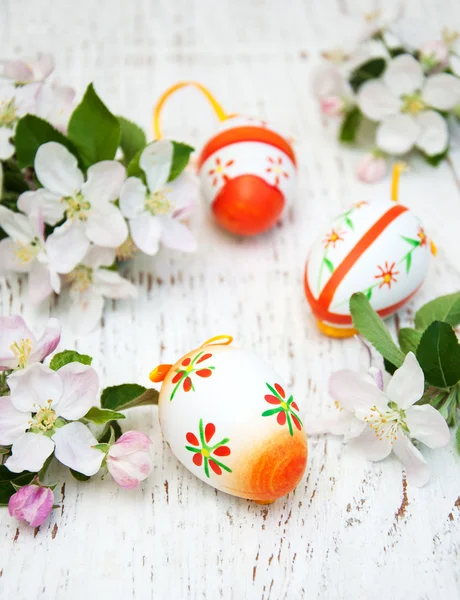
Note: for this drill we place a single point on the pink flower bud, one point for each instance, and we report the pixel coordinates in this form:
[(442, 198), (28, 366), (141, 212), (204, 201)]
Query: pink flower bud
[(332, 106), (128, 460), (434, 53), (31, 503), (371, 168)]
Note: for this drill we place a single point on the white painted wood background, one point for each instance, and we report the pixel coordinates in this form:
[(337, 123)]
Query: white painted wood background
[(351, 529)]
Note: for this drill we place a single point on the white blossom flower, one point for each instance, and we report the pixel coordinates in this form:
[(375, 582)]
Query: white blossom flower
[(402, 102), (26, 251), (55, 103), (28, 70), (333, 91), (15, 102), (434, 55), (155, 213), (18, 345), (372, 167), (33, 418), (128, 459), (90, 283), (381, 421), (87, 205)]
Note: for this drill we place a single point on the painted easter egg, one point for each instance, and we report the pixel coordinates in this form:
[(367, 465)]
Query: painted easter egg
[(248, 175), (379, 248), (232, 421)]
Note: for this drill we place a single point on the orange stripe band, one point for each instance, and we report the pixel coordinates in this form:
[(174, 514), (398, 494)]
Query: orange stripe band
[(246, 134), (358, 250)]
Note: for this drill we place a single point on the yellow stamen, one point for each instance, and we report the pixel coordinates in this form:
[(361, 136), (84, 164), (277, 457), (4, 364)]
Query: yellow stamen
[(127, 250), (80, 278), (157, 203), (22, 350)]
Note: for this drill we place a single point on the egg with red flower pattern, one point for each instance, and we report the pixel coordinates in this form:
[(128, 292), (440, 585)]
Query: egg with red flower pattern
[(232, 421), (248, 173), (379, 248)]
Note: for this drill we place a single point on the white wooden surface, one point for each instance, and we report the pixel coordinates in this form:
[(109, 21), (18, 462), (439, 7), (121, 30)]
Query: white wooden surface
[(352, 529)]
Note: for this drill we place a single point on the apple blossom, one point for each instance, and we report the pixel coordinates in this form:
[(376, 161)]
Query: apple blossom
[(15, 102), (90, 283), (332, 90), (155, 213), (33, 418), (128, 459), (31, 503), (88, 205), (55, 103), (381, 421), (402, 102), (20, 348), (29, 70), (372, 167), (434, 55)]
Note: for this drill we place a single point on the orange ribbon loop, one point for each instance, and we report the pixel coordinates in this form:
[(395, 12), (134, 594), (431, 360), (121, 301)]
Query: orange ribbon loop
[(159, 373), (218, 109)]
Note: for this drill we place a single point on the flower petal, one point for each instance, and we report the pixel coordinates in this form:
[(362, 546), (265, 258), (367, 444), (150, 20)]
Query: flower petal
[(427, 425), (55, 104), (106, 226), (129, 442), (48, 342), (80, 386), (370, 446), (434, 135), (85, 311), (99, 257), (454, 63), (132, 197), (38, 284), (33, 387), (397, 134), (57, 169), (128, 471), (13, 423), (13, 330), (328, 80), (50, 205), (176, 235), (156, 162), (355, 391), (104, 182), (110, 284), (66, 247), (74, 448), (442, 91), (417, 471), (183, 195), (6, 146), (10, 252), (407, 384), (376, 101), (146, 233), (17, 226), (30, 451), (31, 503), (403, 75)]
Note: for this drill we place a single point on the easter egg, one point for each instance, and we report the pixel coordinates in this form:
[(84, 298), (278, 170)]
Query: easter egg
[(231, 420), (379, 248), (248, 175)]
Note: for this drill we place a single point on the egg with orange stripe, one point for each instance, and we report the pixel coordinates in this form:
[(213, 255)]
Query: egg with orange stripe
[(248, 174), (379, 248), (232, 421)]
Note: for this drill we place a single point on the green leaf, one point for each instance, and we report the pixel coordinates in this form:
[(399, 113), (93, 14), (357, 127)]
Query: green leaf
[(439, 355), (78, 476), (132, 139), (102, 447), (411, 241), (371, 326), (329, 264), (181, 157), (350, 125), (389, 367), (15, 182), (94, 130), (67, 356), (409, 339), (8, 480), (31, 133), (127, 395), (444, 308), (112, 433), (437, 159), (100, 416), (369, 70)]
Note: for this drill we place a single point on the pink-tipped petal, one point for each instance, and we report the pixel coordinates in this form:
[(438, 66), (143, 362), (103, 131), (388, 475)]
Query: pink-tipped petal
[(32, 504)]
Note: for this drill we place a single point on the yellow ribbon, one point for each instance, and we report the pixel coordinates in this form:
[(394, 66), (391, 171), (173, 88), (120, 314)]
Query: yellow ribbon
[(218, 109)]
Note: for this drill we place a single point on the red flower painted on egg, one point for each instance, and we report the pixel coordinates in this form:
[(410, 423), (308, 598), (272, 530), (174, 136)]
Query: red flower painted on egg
[(284, 410), (189, 367), (204, 452)]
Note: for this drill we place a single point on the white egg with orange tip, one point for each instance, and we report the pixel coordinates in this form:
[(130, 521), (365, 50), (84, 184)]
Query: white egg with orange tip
[(232, 421), (377, 247)]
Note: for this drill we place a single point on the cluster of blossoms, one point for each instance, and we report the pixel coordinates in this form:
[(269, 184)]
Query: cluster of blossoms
[(54, 411), (401, 77), (378, 415), (70, 212)]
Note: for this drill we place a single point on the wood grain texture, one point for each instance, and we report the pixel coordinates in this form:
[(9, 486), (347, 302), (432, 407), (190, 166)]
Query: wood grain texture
[(352, 529)]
